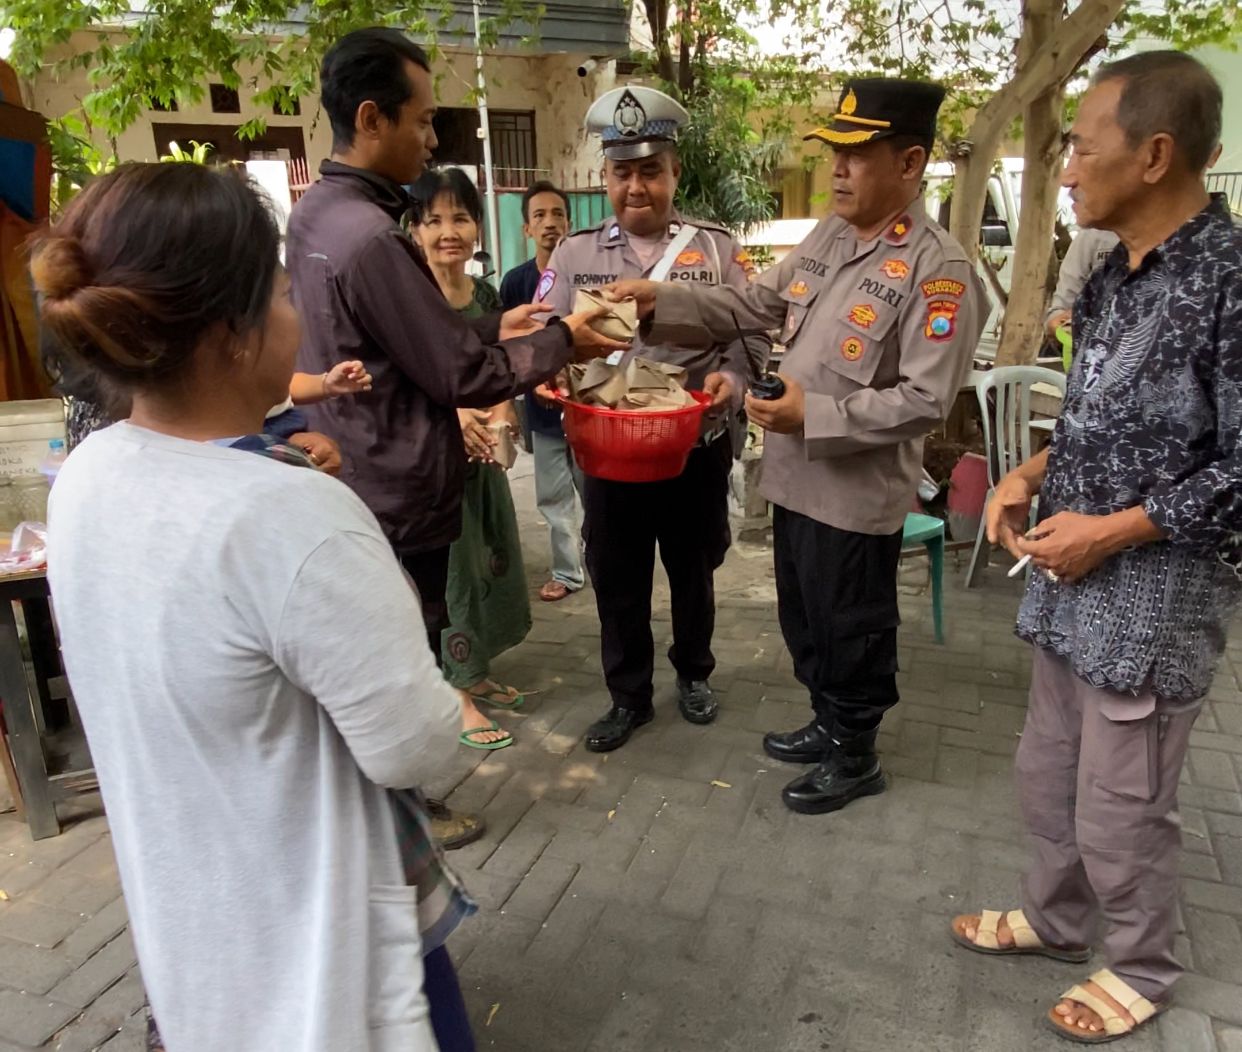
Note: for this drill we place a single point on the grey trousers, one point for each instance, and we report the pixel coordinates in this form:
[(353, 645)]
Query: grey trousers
[(1097, 779), (557, 482)]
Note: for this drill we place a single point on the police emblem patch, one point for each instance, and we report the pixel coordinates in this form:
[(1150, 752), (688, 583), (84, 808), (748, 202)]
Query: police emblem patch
[(942, 287), (690, 258), (798, 288), (863, 315), (941, 320), (895, 268), (852, 349), (546, 281), (629, 118)]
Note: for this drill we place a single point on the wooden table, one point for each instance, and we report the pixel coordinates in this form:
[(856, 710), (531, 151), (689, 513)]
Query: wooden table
[(26, 687)]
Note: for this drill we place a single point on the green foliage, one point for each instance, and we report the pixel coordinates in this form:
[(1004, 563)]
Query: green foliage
[(726, 164), (180, 46), (971, 46), (75, 159), (197, 155), (742, 99)]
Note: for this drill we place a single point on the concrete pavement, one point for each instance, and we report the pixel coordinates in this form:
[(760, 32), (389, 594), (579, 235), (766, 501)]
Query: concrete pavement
[(660, 898)]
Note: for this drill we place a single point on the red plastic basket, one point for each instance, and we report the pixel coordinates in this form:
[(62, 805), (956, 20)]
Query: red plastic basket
[(633, 446)]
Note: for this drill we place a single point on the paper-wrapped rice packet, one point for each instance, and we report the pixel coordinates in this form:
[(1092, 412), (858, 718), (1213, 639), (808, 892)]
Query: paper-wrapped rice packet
[(655, 386), (621, 321), (642, 384)]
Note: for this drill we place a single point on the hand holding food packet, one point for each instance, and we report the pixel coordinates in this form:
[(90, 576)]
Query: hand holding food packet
[(619, 323)]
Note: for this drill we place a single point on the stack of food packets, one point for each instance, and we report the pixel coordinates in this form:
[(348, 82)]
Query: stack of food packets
[(651, 387)]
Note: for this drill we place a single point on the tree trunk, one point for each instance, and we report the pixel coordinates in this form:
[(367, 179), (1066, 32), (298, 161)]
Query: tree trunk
[(1050, 63), (1022, 331), (657, 18)]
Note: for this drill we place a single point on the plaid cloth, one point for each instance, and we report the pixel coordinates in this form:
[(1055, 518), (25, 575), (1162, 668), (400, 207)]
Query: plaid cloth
[(443, 902)]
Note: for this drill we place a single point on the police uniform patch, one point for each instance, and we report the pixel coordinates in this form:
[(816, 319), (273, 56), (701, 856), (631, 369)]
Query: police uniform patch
[(852, 349), (898, 231), (690, 258), (743, 260), (941, 320), (798, 288), (863, 315), (895, 269), (546, 281), (942, 287)]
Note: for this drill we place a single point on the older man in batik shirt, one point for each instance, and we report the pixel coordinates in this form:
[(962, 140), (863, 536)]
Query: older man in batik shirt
[(1137, 547)]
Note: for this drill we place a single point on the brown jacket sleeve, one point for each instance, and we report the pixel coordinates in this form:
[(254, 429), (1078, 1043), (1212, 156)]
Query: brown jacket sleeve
[(400, 308)]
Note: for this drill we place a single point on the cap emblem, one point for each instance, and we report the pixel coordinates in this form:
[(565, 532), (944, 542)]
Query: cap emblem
[(629, 117), (850, 103)]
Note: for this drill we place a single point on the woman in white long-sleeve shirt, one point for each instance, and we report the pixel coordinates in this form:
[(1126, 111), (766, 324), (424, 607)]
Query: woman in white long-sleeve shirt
[(248, 660)]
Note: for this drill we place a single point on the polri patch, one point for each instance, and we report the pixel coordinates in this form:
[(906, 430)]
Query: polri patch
[(546, 280), (690, 258), (852, 349), (799, 288), (942, 287), (941, 320), (863, 315), (895, 269)]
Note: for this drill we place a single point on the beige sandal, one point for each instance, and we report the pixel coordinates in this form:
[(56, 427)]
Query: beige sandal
[(1115, 1026), (1025, 941)]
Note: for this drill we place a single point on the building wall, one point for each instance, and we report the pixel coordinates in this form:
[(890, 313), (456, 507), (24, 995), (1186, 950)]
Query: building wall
[(546, 84)]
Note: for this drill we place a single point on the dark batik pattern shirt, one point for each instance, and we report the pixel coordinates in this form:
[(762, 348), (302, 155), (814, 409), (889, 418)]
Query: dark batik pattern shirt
[(1152, 415)]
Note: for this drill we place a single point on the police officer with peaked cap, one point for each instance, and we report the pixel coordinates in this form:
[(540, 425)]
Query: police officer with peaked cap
[(686, 517), (880, 311)]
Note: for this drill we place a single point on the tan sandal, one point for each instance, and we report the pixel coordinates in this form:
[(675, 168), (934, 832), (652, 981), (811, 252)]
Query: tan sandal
[(1115, 1026), (1025, 940)]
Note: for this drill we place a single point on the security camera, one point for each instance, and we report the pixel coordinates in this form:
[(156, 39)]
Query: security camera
[(587, 66)]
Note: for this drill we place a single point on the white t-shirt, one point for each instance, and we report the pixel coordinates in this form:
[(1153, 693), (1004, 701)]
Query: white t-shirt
[(251, 666)]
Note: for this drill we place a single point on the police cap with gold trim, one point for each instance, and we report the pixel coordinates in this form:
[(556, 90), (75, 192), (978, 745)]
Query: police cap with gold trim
[(636, 122), (874, 108)]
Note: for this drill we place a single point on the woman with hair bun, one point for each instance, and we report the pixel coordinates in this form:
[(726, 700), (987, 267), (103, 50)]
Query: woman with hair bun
[(247, 689)]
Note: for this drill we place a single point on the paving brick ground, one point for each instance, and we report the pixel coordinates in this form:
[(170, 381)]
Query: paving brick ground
[(661, 898)]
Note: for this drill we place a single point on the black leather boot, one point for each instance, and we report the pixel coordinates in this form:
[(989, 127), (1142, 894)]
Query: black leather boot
[(614, 728), (696, 700), (807, 744), (849, 770)]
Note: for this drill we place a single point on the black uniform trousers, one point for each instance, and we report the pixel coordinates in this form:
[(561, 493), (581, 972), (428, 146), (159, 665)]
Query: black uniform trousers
[(429, 572), (836, 594), (688, 517)]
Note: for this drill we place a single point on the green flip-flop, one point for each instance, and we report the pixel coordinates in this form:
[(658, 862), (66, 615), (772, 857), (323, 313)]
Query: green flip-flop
[(498, 697), (469, 743)]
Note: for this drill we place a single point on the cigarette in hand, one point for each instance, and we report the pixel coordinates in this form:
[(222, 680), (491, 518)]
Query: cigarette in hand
[(1019, 566)]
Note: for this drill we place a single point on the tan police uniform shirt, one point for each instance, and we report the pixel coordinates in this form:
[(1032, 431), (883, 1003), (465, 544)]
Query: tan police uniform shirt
[(879, 333), (603, 254)]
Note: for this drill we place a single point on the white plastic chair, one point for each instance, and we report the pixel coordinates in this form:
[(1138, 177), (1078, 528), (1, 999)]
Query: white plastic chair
[(1006, 434)]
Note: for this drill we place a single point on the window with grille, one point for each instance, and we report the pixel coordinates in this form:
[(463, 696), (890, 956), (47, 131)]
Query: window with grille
[(513, 139)]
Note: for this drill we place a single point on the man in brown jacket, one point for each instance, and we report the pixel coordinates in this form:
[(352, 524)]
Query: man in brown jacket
[(365, 292)]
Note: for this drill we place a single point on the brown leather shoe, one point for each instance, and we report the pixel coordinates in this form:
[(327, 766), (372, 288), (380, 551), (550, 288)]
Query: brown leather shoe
[(454, 829)]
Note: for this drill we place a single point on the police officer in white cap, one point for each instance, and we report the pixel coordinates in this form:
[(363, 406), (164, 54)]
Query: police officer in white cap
[(686, 517)]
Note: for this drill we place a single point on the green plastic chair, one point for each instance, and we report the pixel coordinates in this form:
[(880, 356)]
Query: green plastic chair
[(1066, 339), (929, 531)]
